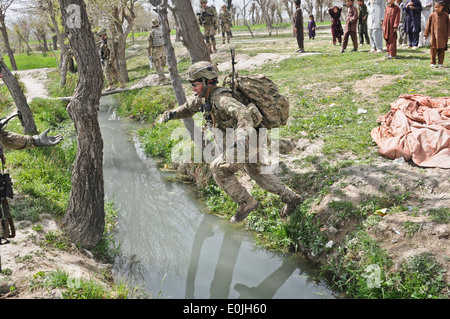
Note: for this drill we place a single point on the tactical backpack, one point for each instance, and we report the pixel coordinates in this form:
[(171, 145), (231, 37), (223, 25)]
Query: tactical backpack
[(263, 93)]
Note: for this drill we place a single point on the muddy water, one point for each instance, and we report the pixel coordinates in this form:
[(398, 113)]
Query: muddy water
[(170, 249)]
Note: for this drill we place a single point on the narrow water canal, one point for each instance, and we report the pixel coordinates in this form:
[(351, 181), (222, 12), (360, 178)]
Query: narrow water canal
[(170, 249)]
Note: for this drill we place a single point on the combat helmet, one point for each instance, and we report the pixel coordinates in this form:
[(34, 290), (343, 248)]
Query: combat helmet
[(203, 1), (101, 32), (155, 22), (202, 69)]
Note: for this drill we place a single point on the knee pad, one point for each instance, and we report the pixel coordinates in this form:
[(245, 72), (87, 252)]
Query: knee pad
[(212, 38), (207, 39)]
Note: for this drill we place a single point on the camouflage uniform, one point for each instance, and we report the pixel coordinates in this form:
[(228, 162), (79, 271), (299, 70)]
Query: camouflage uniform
[(15, 141), (156, 51), (227, 112), (208, 20), (108, 58), (225, 24)]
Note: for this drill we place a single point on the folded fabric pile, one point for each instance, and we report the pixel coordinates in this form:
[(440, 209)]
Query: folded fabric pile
[(417, 128)]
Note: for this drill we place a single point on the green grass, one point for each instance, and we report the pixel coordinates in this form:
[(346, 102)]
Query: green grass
[(34, 60), (74, 287)]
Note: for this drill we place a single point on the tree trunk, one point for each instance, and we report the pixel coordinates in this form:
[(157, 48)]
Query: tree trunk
[(189, 124), (121, 58), (55, 42), (27, 120), (6, 43), (190, 31), (85, 217), (63, 68)]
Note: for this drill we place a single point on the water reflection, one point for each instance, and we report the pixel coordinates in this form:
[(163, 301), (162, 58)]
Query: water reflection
[(171, 250)]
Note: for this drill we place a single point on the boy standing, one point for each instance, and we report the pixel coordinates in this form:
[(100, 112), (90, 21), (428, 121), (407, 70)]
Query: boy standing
[(362, 22), (350, 26), (438, 28), (297, 21), (374, 23), (402, 36), (390, 27)]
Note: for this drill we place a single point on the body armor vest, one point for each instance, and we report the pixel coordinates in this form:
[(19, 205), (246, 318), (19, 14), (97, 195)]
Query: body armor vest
[(157, 38)]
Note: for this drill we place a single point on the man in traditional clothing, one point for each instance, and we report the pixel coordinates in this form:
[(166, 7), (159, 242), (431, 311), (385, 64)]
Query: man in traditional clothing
[(350, 26), (438, 29), (156, 51), (362, 22), (412, 22), (427, 8), (374, 23), (297, 21), (390, 27)]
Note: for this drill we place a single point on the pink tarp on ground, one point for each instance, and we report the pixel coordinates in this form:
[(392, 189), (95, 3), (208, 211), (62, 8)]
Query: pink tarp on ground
[(417, 128)]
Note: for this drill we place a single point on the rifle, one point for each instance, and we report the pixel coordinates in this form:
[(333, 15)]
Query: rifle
[(233, 62), (7, 229)]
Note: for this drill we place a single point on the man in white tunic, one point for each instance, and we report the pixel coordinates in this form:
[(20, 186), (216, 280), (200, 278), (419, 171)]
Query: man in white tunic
[(374, 23), (427, 6)]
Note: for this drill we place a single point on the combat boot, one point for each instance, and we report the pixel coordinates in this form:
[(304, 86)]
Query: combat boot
[(244, 209), (228, 39), (290, 207), (208, 45)]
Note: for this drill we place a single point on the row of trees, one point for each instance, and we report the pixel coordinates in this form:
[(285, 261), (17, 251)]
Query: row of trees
[(40, 20), (74, 22)]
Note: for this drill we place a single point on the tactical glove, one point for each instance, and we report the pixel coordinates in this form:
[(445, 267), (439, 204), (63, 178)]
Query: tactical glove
[(44, 140), (167, 116)]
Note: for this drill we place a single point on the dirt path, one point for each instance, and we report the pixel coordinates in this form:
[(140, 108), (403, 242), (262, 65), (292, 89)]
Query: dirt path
[(34, 81), (30, 251)]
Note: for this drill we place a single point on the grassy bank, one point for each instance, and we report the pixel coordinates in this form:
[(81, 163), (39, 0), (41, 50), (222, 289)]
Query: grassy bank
[(41, 184)]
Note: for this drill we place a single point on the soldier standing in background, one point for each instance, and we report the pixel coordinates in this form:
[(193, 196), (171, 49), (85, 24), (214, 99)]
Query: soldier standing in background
[(156, 53), (225, 23), (108, 59), (208, 20)]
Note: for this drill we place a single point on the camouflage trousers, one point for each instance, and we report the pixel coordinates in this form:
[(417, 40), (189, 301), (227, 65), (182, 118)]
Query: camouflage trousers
[(159, 62), (209, 32), (112, 74), (224, 173), (226, 30)]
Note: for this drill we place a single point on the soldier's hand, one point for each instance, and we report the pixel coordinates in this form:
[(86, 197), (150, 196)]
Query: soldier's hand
[(167, 116), (44, 140)]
